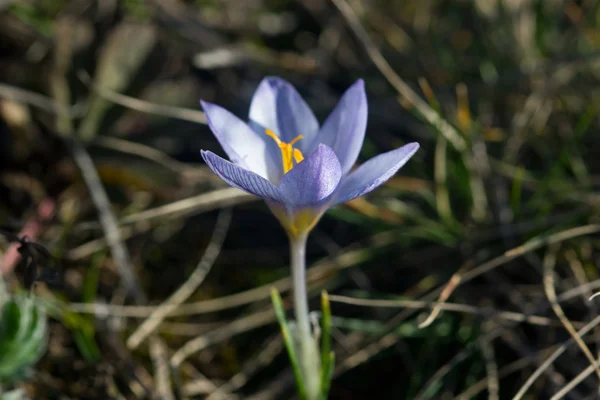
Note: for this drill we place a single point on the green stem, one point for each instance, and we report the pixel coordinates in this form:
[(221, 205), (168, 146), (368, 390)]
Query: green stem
[(307, 350), (298, 262)]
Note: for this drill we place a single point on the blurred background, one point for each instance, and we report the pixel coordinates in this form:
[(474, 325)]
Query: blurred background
[(141, 256)]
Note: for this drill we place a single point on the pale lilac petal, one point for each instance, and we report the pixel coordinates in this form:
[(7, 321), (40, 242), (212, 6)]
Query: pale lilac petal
[(295, 117), (313, 180), (277, 106), (344, 129), (242, 145), (263, 108), (241, 178), (374, 172)]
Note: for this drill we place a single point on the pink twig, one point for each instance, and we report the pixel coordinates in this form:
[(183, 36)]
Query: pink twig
[(32, 229)]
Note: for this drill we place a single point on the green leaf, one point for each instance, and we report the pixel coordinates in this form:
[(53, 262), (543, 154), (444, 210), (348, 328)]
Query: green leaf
[(82, 326), (289, 341), (327, 356), (82, 329), (23, 337), (328, 374)]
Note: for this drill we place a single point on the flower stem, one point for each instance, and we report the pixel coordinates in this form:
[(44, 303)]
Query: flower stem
[(308, 352), (298, 262)]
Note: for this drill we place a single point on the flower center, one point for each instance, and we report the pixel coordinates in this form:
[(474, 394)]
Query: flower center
[(288, 153)]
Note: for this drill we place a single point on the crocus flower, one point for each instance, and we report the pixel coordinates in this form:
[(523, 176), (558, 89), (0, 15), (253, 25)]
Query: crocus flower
[(301, 170), (298, 167)]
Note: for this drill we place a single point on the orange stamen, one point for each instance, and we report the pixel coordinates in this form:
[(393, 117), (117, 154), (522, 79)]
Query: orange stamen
[(288, 153)]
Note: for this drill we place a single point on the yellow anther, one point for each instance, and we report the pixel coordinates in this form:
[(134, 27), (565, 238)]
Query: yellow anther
[(288, 153), (298, 156), (294, 140), (274, 136)]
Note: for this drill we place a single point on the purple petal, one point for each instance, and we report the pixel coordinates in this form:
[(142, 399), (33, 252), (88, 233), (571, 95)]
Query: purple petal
[(277, 106), (242, 145), (263, 109), (241, 178), (313, 180), (374, 172), (344, 129)]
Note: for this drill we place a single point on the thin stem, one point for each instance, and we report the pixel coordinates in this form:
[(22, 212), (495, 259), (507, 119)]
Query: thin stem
[(307, 350), (298, 263)]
